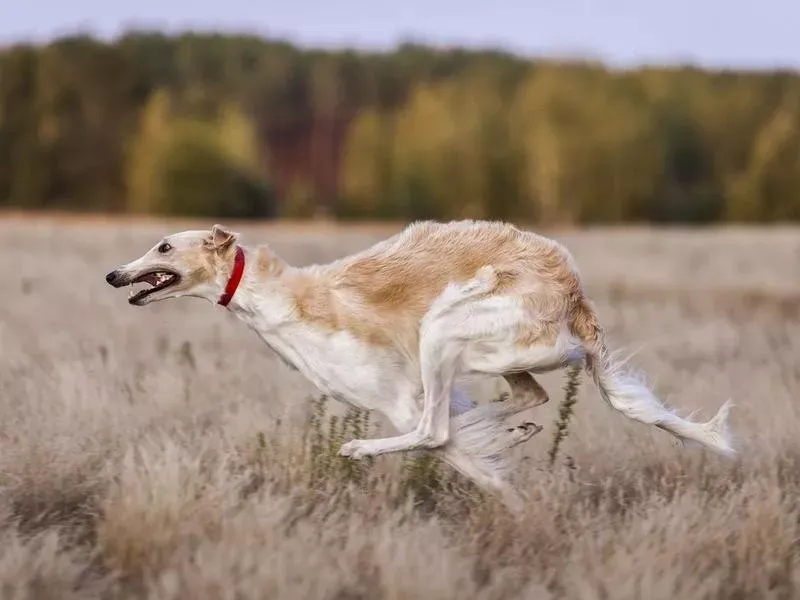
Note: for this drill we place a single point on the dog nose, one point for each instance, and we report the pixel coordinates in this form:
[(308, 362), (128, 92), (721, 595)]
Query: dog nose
[(112, 277)]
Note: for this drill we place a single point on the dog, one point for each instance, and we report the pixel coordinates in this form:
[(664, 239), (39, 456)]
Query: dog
[(396, 327)]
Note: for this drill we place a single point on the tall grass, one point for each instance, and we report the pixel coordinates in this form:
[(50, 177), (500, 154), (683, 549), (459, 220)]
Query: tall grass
[(565, 411), (165, 453)]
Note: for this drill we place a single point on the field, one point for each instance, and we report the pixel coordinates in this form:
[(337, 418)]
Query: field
[(163, 452)]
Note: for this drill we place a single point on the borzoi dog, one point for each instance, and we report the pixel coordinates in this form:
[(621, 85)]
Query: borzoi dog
[(395, 327)]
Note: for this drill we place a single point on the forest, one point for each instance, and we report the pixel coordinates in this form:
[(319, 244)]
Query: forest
[(246, 127)]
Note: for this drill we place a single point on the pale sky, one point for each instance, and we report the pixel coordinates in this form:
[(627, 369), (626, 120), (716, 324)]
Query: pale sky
[(740, 33)]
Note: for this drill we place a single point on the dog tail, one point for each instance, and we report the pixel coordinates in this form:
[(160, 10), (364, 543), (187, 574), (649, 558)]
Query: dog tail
[(626, 392)]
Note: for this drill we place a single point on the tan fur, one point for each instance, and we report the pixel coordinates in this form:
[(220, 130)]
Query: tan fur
[(381, 294), (268, 264), (201, 265), (526, 392)]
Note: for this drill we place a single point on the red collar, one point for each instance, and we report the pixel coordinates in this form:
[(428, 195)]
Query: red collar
[(236, 277)]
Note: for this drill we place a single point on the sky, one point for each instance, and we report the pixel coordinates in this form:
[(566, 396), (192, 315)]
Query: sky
[(710, 33)]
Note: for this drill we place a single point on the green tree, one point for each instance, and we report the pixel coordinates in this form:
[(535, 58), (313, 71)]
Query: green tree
[(24, 172)]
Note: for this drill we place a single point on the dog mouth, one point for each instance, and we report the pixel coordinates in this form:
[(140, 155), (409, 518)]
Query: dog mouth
[(157, 280)]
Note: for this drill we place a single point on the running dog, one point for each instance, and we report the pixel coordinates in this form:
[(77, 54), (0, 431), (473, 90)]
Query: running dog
[(393, 329)]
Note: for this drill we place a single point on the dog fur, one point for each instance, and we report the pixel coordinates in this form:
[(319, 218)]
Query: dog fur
[(395, 327)]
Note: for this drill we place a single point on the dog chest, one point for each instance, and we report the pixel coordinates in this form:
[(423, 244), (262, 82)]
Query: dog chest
[(338, 364)]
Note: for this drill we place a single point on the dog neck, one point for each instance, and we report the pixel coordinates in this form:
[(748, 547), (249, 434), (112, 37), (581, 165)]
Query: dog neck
[(266, 301), (234, 279), (255, 290)]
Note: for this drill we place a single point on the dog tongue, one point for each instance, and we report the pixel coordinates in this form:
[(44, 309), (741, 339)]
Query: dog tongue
[(151, 278)]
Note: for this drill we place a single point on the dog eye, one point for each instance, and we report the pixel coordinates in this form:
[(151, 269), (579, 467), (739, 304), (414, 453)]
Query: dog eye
[(164, 248)]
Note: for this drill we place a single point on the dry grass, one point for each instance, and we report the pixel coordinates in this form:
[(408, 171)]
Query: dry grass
[(164, 453)]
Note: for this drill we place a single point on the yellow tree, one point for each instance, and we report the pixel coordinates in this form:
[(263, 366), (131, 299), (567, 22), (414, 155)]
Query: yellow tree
[(426, 156), (146, 152), (450, 139), (590, 147), (766, 190), (446, 152), (544, 110), (365, 175), (188, 165), (238, 139)]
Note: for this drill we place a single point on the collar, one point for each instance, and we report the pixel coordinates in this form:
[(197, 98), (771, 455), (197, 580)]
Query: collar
[(235, 278)]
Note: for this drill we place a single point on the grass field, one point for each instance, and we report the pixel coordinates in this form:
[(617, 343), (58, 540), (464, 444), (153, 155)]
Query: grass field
[(163, 452)]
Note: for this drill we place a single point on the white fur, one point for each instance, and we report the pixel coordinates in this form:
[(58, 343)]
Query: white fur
[(377, 379), (631, 396)]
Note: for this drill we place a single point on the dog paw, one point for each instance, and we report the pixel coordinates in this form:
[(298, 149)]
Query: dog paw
[(531, 427), (528, 427), (521, 433), (354, 449)]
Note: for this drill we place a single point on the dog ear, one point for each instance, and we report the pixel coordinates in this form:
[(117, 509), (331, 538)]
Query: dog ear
[(221, 239)]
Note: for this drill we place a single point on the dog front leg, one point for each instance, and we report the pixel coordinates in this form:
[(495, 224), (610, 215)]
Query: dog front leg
[(438, 362), (442, 343)]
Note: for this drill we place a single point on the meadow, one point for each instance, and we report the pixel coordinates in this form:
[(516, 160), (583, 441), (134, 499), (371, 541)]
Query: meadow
[(164, 452)]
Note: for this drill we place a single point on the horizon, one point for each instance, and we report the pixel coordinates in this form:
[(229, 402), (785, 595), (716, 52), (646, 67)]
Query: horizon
[(622, 34), (397, 44)]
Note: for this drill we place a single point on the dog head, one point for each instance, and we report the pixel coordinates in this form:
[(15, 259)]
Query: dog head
[(190, 263)]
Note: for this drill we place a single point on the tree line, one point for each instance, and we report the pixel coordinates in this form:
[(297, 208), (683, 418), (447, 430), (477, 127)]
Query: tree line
[(226, 125)]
